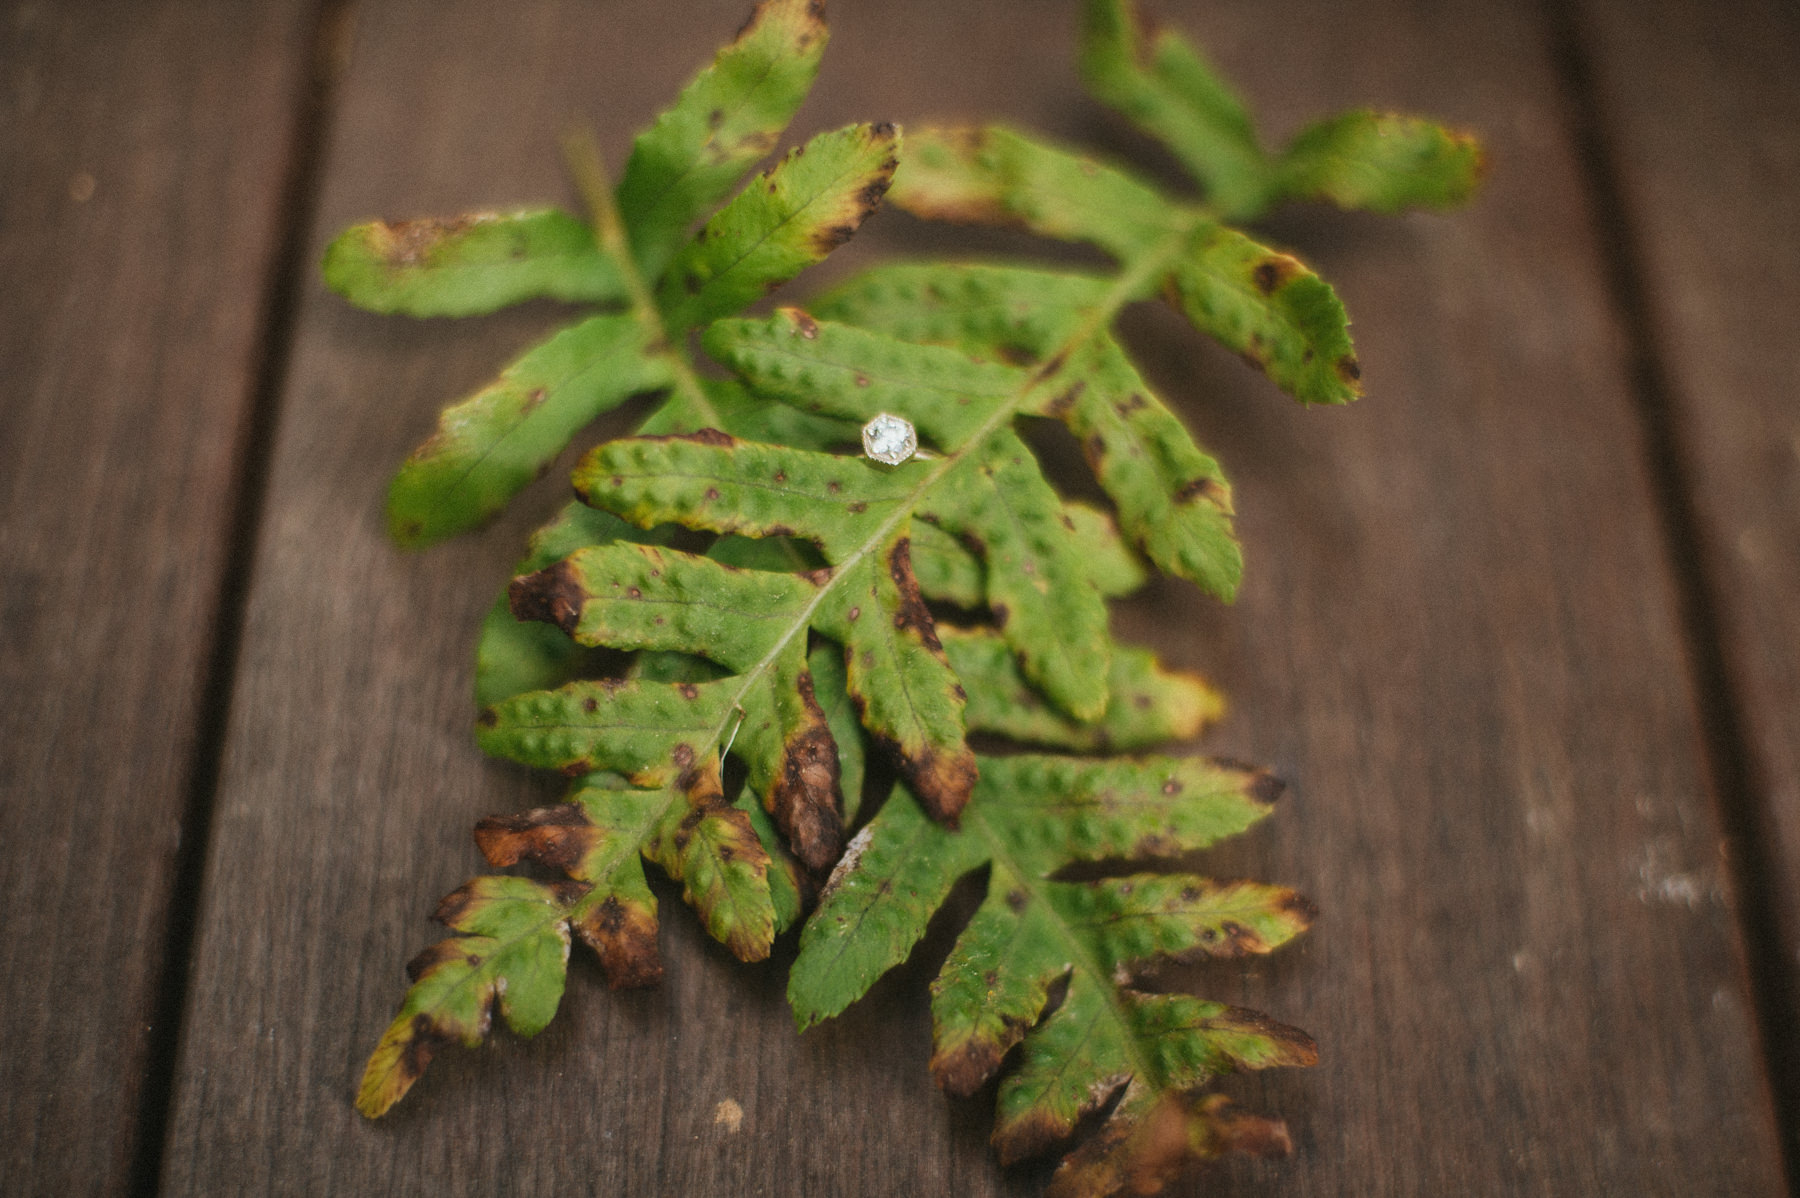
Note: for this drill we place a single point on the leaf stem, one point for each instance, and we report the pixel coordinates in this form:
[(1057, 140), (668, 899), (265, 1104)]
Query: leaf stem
[(584, 164), (1129, 286), (581, 154), (1081, 955)]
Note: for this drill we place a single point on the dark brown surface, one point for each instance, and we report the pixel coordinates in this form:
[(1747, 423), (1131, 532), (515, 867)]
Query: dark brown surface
[(1459, 639), (143, 151), (1704, 119)]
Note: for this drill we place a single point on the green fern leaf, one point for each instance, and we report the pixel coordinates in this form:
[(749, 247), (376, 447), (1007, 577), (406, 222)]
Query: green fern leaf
[(726, 119), (996, 176), (638, 253), (802, 631), (980, 484), (471, 264), (1379, 161), (792, 217), (1015, 314), (1258, 302), (489, 446), (1149, 705), (513, 934), (1029, 818), (1270, 308), (1163, 83)]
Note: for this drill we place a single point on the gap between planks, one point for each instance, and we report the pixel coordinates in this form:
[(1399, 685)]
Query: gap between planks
[(309, 127), (1740, 793)]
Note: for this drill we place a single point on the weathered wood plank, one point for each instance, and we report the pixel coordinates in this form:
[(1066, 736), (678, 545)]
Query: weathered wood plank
[(145, 151), (1456, 640), (1702, 106)]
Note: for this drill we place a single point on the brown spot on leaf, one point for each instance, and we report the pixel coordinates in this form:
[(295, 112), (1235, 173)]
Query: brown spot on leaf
[(534, 398), (1130, 404), (1349, 369), (409, 243), (1299, 908), (862, 380), (1273, 271), (1052, 364), (683, 755), (830, 237), (1296, 1048), (962, 1069), (488, 717), (712, 494), (869, 198), (805, 798), (455, 905), (781, 476), (553, 595), (911, 613), (942, 781), (1198, 488), (700, 436), (804, 324), (684, 831), (434, 957), (834, 486), (423, 1041), (1239, 941), (1002, 614), (557, 837), (623, 935), (1065, 400), (1172, 786), (858, 508), (1040, 1129), (1266, 787), (688, 691), (565, 893), (1016, 900)]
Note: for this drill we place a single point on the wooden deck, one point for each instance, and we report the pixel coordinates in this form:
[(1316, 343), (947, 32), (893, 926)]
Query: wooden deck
[(1521, 629)]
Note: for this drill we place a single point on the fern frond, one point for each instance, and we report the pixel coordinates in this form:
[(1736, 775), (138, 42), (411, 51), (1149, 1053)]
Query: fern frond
[(636, 255), (1030, 818)]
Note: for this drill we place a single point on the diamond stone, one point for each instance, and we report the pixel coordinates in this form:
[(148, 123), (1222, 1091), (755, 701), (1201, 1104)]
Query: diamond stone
[(889, 439)]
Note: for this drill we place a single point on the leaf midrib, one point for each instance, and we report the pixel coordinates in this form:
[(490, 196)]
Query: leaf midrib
[(725, 271), (1124, 289), (1081, 955)]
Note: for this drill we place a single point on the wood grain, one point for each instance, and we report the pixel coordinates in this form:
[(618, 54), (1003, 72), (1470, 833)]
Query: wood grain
[(1703, 110), (1456, 640), (144, 150)]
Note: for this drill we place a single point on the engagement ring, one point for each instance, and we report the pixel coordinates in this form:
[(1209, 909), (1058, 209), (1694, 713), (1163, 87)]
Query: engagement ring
[(889, 440)]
